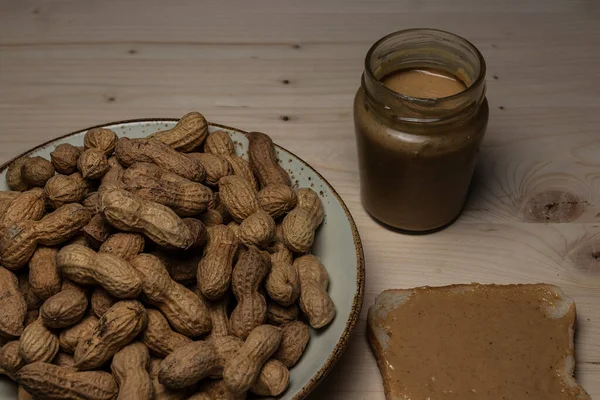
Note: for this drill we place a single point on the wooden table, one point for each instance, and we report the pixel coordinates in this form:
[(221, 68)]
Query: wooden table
[(291, 68)]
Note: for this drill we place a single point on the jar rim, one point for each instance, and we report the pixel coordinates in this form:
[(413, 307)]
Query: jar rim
[(421, 100)]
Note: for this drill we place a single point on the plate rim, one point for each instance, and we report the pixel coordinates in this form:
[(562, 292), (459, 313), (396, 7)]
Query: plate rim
[(357, 302)]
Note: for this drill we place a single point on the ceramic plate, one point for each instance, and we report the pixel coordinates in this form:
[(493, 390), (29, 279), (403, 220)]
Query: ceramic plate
[(337, 244)]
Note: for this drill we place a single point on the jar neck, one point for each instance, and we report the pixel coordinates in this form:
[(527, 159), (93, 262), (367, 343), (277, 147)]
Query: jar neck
[(424, 49)]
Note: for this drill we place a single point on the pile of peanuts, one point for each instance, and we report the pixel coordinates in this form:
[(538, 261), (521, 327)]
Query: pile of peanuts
[(165, 267)]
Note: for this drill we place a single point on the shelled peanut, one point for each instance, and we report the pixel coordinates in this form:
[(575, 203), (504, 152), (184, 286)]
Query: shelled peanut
[(129, 248)]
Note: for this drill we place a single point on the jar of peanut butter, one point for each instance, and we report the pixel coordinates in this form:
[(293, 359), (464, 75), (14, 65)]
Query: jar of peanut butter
[(420, 116)]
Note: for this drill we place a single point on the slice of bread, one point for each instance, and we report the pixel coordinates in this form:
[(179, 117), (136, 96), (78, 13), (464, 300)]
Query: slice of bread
[(475, 342)]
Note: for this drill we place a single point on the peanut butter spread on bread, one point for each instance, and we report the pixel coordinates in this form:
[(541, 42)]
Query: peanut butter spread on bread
[(481, 342)]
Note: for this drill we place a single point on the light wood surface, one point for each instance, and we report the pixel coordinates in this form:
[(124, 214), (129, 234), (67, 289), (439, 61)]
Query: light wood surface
[(291, 68)]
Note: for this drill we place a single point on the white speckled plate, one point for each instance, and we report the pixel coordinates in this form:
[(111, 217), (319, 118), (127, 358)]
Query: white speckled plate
[(337, 245)]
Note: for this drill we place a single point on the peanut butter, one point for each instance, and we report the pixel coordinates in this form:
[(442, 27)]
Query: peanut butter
[(420, 116), (424, 83), (416, 178), (480, 342)]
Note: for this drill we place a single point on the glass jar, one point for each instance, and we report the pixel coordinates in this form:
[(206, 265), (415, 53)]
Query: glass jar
[(417, 155)]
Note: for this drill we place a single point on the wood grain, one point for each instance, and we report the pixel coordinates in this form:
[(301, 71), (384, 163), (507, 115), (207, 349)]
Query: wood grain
[(291, 69)]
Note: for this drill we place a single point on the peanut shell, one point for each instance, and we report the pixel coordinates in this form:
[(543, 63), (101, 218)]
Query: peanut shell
[(187, 135), (31, 317), (183, 196), (114, 330), (36, 171), (97, 231), (187, 365), (64, 360), (38, 343), (219, 317), (12, 305), (113, 178), (184, 310), (298, 230), (33, 301), (10, 359), (64, 158), (283, 283), (277, 200), (241, 168), (215, 390), (198, 230), (310, 200), (44, 277), (91, 201), (182, 267), (102, 301), (238, 196), (129, 213), (273, 380), (158, 336), (219, 143), (86, 267), (93, 164), (123, 244), (242, 370), (162, 392), (251, 309), (295, 337), (28, 206), (279, 315), (54, 382), (14, 179), (211, 218), (215, 166), (70, 337), (314, 299), (130, 369), (214, 269), (64, 189), (102, 139), (65, 308), (6, 197), (130, 151), (257, 230), (263, 160)]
